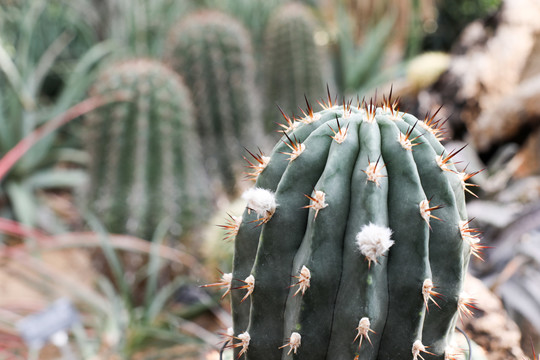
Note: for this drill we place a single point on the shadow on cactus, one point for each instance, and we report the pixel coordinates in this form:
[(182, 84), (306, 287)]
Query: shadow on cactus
[(354, 243), (145, 160)]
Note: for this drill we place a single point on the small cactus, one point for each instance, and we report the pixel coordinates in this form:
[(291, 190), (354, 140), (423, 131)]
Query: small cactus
[(355, 241), (212, 51), (145, 161), (292, 62)]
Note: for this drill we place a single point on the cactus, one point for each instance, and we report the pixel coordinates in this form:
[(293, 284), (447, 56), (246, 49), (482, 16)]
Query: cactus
[(212, 51), (145, 160), (293, 64), (354, 243)]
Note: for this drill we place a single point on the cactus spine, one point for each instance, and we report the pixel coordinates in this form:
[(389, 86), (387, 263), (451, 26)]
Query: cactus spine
[(354, 243), (145, 162), (212, 51), (292, 62)]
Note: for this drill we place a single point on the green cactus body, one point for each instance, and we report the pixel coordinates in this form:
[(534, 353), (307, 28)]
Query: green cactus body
[(145, 162), (213, 53), (354, 243), (292, 62)]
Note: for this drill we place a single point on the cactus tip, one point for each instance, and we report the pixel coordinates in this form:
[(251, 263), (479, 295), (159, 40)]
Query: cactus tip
[(309, 116), (369, 110), (405, 139), (297, 148), (257, 168), (327, 104), (290, 124), (341, 134), (435, 127), (391, 107)]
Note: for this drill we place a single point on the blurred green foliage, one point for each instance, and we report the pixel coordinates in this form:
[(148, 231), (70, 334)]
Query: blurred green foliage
[(47, 56)]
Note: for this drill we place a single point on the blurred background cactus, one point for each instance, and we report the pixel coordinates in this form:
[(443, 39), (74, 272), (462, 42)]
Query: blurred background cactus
[(212, 51), (293, 64), (146, 160)]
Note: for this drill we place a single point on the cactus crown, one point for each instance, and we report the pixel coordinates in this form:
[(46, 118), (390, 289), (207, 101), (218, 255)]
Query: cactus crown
[(353, 243)]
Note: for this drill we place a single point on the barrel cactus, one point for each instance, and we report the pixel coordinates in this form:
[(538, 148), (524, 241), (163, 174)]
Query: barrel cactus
[(354, 243), (146, 163), (212, 51), (292, 62)]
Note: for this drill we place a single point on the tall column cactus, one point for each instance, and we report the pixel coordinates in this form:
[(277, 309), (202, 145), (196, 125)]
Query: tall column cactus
[(145, 161), (292, 63), (212, 51), (354, 243)]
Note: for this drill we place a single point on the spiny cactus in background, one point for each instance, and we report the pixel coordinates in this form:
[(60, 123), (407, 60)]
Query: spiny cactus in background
[(292, 62), (354, 243), (212, 51), (146, 163)]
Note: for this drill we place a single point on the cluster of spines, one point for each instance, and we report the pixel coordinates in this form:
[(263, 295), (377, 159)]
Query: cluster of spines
[(265, 209)]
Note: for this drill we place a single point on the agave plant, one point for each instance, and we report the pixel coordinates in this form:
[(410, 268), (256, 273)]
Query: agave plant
[(25, 104)]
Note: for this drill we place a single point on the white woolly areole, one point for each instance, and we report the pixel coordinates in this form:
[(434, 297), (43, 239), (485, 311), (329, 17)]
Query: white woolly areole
[(373, 241), (244, 337), (303, 280), (294, 342), (227, 278), (244, 343), (417, 348), (262, 201), (295, 339), (364, 324)]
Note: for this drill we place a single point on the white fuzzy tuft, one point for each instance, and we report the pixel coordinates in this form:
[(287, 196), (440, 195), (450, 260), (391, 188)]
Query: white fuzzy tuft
[(417, 348), (262, 201), (294, 342), (244, 337), (227, 278), (373, 241)]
